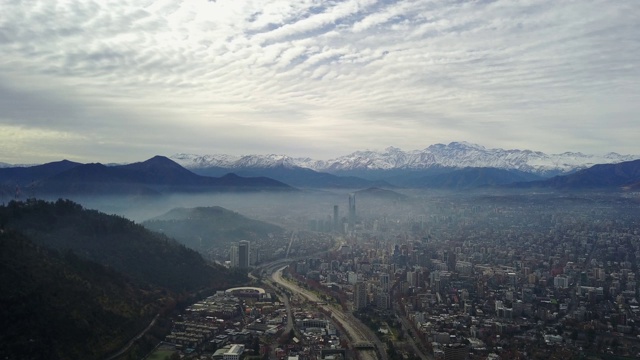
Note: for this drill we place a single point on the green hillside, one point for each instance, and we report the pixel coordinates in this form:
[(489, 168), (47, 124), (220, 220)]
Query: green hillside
[(79, 284), (129, 248)]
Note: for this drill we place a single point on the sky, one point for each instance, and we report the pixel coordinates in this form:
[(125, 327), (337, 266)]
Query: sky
[(123, 80)]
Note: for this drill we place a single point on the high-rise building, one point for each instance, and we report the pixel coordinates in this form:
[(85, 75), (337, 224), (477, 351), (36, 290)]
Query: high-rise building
[(384, 282), (336, 217), (561, 282), (244, 254), (352, 210), (412, 278), (255, 255), (233, 256), (383, 301)]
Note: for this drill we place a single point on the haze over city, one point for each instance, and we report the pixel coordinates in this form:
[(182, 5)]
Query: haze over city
[(123, 81), (319, 180)]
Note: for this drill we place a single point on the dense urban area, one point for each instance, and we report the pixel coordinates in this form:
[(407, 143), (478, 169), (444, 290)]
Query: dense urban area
[(467, 276)]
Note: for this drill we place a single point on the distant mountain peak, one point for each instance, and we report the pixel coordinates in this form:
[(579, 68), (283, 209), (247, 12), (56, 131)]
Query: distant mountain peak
[(464, 144), (160, 160)]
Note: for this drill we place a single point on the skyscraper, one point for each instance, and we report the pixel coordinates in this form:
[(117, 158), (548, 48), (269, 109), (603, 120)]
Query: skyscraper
[(336, 215), (352, 210), (244, 254), (384, 282), (233, 256), (360, 295)]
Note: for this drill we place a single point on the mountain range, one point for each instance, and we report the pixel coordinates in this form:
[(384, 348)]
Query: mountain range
[(456, 155), (151, 177), (453, 166)]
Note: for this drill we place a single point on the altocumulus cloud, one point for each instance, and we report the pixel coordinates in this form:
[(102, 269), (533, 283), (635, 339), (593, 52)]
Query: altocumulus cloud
[(122, 80)]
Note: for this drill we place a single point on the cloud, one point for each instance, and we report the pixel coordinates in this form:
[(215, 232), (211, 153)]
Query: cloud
[(276, 75)]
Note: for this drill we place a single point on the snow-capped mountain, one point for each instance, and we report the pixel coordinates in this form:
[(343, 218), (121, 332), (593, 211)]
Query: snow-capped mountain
[(454, 155), (191, 161)]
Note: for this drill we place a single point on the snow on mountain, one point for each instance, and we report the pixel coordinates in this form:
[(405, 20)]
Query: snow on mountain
[(272, 160), (191, 161), (455, 154), (462, 154)]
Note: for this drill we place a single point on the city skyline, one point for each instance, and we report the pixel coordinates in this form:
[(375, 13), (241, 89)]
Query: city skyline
[(125, 81)]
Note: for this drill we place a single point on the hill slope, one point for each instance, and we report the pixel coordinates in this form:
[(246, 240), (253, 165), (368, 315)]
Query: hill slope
[(204, 228), (294, 176), (380, 194), (78, 284), (62, 307), (146, 257), (19, 175), (151, 177), (603, 176)]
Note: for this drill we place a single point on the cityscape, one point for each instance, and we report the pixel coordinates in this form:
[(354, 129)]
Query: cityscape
[(480, 276)]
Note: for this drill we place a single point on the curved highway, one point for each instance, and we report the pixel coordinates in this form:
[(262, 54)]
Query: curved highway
[(356, 331)]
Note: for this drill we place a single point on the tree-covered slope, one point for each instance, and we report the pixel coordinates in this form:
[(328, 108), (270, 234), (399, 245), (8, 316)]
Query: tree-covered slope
[(79, 284), (129, 248), (59, 306)]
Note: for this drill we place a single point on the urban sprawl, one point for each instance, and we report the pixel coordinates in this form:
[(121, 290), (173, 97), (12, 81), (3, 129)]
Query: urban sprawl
[(481, 276)]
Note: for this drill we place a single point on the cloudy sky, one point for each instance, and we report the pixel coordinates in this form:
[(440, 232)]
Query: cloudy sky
[(123, 80)]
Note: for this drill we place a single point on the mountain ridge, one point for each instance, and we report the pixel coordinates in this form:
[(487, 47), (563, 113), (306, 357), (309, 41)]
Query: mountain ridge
[(453, 155), (150, 177), (624, 175)]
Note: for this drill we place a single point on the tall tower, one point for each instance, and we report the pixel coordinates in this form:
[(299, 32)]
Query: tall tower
[(233, 256), (384, 282), (352, 210), (336, 215), (244, 254)]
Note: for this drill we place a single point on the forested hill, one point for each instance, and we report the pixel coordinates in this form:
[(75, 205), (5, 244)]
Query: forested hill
[(79, 284), (59, 306), (145, 256), (203, 228)]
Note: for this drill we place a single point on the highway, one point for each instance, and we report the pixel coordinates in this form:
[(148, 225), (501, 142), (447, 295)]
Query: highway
[(356, 331), (293, 236)]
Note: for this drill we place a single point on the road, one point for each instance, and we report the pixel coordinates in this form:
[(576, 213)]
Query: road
[(136, 338), (407, 328), (293, 236), (353, 327)]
